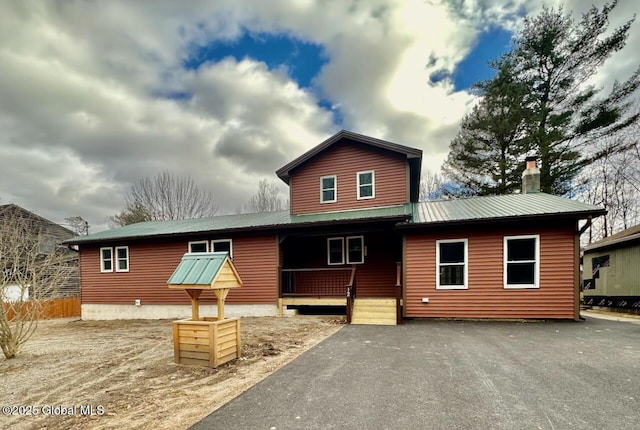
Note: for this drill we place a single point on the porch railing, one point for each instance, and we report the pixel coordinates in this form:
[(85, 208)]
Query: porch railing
[(398, 293), (351, 294), (315, 282)]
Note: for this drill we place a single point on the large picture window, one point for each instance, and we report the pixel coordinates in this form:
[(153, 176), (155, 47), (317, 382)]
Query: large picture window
[(522, 261), (451, 264), (328, 189), (366, 185)]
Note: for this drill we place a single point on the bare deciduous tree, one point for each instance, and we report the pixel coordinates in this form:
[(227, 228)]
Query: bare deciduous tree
[(33, 269), (78, 224), (166, 197), (267, 199), (431, 186), (613, 182)]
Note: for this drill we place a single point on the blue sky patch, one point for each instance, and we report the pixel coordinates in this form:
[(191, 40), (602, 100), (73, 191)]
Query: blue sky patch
[(474, 68), (303, 60)]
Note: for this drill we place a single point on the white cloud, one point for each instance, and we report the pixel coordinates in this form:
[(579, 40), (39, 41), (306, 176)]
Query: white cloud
[(81, 117)]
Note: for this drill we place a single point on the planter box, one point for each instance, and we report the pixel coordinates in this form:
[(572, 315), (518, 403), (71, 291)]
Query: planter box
[(207, 341)]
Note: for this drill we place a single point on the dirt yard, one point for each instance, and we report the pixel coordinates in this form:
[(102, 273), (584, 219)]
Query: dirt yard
[(124, 370)]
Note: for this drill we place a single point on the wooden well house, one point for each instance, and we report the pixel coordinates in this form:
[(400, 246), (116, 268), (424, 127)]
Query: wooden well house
[(206, 341)]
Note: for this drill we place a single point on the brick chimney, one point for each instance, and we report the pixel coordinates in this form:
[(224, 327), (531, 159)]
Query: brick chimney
[(531, 176)]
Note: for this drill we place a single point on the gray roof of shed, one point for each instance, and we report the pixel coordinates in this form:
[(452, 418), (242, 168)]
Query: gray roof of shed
[(619, 240), (455, 211)]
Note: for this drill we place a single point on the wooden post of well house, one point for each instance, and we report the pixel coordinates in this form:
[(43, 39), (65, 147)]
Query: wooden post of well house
[(206, 341)]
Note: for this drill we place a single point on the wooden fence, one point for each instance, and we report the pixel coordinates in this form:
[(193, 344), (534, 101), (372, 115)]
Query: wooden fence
[(65, 307)]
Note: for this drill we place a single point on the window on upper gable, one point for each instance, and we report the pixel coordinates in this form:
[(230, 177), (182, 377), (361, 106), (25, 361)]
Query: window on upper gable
[(366, 185), (328, 189)]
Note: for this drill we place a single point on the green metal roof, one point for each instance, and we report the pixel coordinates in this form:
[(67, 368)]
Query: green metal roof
[(281, 219), (198, 268), (472, 209), (500, 207)]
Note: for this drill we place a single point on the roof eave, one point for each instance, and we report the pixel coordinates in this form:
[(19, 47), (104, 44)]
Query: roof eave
[(577, 215), (289, 226), (284, 172)]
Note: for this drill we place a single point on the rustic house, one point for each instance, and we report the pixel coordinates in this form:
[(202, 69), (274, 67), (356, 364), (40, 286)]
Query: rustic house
[(356, 236), (611, 271)]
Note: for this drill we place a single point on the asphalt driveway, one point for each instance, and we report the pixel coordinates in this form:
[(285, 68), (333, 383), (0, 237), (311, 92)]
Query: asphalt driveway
[(452, 375)]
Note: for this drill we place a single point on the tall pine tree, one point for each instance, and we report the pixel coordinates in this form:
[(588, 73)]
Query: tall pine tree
[(562, 114)]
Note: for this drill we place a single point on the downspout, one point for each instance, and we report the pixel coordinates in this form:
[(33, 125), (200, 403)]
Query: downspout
[(579, 233)]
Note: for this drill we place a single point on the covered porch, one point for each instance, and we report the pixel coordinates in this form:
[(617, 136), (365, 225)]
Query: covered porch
[(356, 271)]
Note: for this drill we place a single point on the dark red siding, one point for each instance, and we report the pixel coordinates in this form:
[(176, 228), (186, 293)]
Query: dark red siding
[(486, 296), (345, 160), (152, 263)]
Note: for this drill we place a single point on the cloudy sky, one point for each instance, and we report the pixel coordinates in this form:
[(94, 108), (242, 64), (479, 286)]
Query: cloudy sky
[(96, 95)]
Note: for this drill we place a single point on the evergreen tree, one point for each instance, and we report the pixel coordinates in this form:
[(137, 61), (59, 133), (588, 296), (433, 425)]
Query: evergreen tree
[(484, 154), (562, 114)]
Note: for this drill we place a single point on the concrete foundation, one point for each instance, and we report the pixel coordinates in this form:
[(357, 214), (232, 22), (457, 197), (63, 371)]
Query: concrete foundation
[(129, 312)]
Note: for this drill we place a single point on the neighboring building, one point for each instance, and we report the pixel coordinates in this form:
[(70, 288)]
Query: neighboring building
[(54, 234), (611, 271), (355, 215)]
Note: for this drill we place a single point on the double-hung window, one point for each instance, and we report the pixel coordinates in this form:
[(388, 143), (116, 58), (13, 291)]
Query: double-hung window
[(522, 261), (366, 185), (329, 189), (452, 264), (106, 259), (354, 250), (122, 258), (117, 257), (335, 251)]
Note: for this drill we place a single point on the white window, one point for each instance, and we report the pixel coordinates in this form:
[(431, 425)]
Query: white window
[(199, 246), (122, 258), (451, 264), (522, 261), (366, 185), (106, 259), (328, 189), (222, 245), (335, 250), (355, 250)]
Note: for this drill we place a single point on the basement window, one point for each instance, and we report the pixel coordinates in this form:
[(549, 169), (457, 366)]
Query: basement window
[(522, 261), (451, 264)]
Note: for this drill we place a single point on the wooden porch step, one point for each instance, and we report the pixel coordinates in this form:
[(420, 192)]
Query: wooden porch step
[(373, 311)]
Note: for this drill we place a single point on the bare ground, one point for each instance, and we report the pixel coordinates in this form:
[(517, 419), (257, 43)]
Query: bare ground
[(127, 368)]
